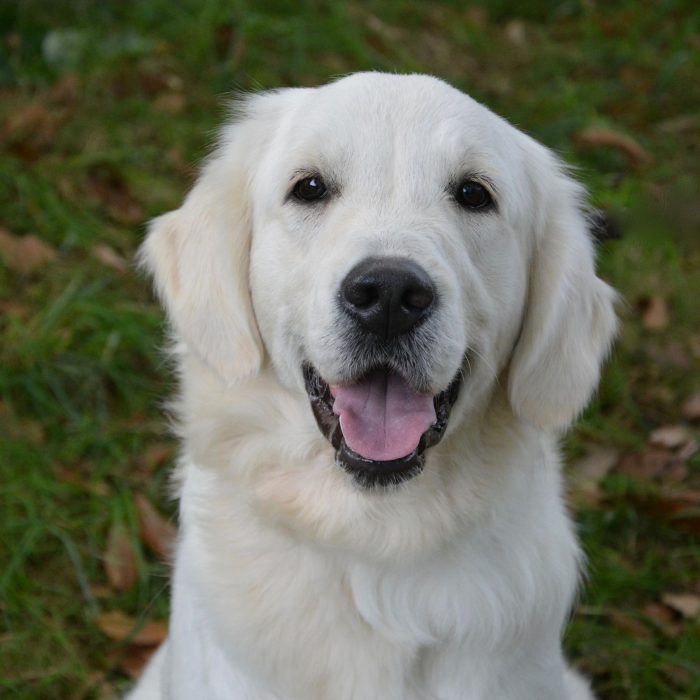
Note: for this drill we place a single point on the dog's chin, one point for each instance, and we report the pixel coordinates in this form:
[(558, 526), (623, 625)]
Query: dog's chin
[(367, 472)]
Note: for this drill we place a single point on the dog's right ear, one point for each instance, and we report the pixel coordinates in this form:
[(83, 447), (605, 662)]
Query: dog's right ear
[(198, 256)]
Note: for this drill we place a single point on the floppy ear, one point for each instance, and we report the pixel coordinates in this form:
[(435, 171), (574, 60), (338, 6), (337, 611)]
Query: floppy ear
[(569, 319), (198, 256)]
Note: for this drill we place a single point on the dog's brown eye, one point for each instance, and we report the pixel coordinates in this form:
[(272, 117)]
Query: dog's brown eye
[(472, 195), (310, 189)]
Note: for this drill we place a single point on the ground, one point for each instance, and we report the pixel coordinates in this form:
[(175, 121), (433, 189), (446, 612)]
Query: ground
[(105, 109)]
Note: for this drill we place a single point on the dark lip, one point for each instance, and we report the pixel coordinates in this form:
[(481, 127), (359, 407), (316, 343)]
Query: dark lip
[(368, 472)]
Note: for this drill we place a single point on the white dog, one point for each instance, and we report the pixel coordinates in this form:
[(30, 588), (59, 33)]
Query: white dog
[(386, 311)]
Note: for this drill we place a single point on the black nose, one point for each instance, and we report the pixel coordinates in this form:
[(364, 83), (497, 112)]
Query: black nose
[(387, 296)]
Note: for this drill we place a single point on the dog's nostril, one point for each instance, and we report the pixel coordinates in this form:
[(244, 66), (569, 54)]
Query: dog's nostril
[(387, 296), (418, 299), (361, 294)]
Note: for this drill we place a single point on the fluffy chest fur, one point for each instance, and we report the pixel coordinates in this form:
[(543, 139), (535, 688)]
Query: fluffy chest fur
[(298, 599)]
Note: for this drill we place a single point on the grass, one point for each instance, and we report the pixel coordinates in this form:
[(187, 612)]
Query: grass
[(105, 109)]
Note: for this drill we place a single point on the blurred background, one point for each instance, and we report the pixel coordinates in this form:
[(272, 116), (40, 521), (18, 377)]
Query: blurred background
[(106, 108)]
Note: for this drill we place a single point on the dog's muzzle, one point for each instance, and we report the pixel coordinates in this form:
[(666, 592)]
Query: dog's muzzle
[(379, 423)]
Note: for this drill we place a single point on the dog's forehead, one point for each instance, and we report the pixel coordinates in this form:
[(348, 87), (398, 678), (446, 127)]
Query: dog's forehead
[(414, 101), (372, 117)]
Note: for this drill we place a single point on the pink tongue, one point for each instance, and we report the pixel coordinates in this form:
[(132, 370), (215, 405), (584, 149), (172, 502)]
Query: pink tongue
[(382, 417)]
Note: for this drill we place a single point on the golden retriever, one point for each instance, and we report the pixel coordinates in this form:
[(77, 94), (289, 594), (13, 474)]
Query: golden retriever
[(385, 311)]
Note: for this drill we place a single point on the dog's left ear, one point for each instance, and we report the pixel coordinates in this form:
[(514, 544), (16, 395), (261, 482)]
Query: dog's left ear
[(199, 254), (569, 319)]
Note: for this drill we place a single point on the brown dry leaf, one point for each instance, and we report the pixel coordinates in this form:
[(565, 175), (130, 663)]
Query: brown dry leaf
[(586, 474), (24, 254), (663, 618), (72, 477), (610, 138), (650, 464), (156, 531), (687, 604), (101, 591), (28, 118), (669, 354), (109, 257), (116, 625), (119, 559), (170, 102), (65, 91), (158, 454), (31, 128), (109, 186), (655, 316), (386, 31), (120, 627), (515, 33), (679, 124), (134, 659), (678, 508), (628, 623), (691, 407), (10, 307), (670, 436), (106, 692), (477, 16), (597, 463)]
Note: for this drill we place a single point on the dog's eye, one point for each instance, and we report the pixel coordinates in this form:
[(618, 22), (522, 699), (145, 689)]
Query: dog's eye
[(472, 195), (310, 189)]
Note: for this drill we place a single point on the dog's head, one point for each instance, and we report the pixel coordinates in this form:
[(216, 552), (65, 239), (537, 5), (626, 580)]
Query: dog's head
[(396, 251)]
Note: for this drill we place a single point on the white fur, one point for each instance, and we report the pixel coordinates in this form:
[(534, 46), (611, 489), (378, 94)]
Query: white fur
[(291, 582)]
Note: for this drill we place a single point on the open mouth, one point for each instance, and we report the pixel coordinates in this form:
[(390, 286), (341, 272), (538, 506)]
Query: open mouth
[(379, 425)]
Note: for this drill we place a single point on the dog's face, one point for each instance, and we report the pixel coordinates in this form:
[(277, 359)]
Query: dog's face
[(389, 260), (395, 250)]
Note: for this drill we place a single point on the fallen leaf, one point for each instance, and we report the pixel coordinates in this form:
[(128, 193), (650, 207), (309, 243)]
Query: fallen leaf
[(120, 627), (31, 128), (170, 102), (691, 407), (13, 40), (158, 533), (586, 474), (515, 33), (650, 464), (669, 354), (687, 604), (677, 508), (29, 118), (134, 659), (679, 125), (597, 463), (655, 316), (477, 16), (158, 454), (24, 254), (65, 91), (106, 692), (69, 476), (101, 591), (110, 258), (610, 138), (110, 188), (687, 450), (663, 618), (627, 623), (10, 307), (671, 436), (119, 559)]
